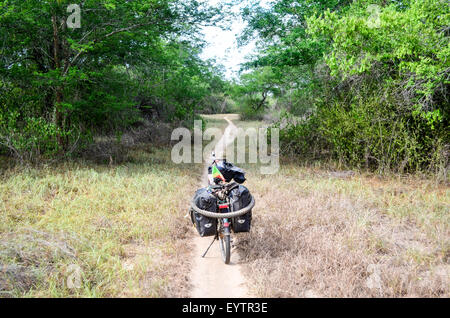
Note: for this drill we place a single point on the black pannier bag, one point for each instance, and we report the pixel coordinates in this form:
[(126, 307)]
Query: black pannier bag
[(206, 201), (240, 198), (229, 171)]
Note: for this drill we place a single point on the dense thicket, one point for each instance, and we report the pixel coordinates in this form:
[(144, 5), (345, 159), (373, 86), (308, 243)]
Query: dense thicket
[(129, 59), (366, 82)]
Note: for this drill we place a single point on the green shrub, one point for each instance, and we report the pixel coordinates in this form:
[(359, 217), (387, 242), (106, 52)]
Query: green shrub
[(32, 139), (248, 112), (301, 137), (368, 134)]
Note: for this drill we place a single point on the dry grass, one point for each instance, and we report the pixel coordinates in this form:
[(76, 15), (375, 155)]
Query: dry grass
[(328, 234), (322, 233), (121, 224), (315, 233)]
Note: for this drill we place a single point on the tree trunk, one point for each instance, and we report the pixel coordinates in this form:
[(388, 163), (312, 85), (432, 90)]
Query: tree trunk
[(58, 120), (261, 103)]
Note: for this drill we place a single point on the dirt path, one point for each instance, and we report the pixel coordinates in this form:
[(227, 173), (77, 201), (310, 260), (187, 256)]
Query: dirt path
[(210, 276)]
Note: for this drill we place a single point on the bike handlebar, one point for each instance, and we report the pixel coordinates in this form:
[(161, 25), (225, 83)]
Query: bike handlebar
[(223, 215)]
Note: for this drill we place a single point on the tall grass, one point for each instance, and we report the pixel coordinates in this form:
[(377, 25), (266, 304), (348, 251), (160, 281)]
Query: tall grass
[(119, 224)]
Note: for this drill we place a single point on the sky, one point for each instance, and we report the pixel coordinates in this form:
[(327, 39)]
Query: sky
[(222, 44)]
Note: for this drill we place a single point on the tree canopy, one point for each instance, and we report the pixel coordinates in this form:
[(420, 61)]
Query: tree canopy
[(364, 81), (125, 59)]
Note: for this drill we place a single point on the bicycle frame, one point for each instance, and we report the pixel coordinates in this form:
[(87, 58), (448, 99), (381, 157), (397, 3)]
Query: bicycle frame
[(224, 207)]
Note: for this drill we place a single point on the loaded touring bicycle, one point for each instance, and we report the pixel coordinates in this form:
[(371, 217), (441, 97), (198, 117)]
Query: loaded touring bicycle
[(223, 207)]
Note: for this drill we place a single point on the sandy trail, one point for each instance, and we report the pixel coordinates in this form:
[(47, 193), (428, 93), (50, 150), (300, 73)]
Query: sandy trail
[(210, 276)]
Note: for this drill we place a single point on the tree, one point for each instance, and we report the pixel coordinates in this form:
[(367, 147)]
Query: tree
[(73, 80)]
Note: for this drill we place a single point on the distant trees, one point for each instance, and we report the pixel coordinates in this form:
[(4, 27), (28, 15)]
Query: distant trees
[(253, 93)]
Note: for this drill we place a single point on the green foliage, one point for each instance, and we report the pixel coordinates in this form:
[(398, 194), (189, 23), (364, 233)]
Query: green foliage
[(247, 111), (286, 52), (254, 91), (409, 45), (301, 137), (372, 135), (365, 82), (129, 59)]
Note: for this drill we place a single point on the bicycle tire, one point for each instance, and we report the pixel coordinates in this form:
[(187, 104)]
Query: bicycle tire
[(225, 248)]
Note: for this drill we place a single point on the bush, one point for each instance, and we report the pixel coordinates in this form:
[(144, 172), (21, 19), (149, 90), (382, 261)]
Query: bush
[(29, 139), (302, 137), (247, 110), (368, 134)]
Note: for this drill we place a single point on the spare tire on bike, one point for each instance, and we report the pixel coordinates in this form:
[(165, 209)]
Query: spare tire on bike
[(240, 198), (206, 201)]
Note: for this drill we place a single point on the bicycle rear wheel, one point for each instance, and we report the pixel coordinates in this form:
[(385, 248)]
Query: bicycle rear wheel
[(225, 247)]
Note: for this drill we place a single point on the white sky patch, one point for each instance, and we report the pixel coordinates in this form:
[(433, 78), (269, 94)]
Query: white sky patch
[(222, 44)]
